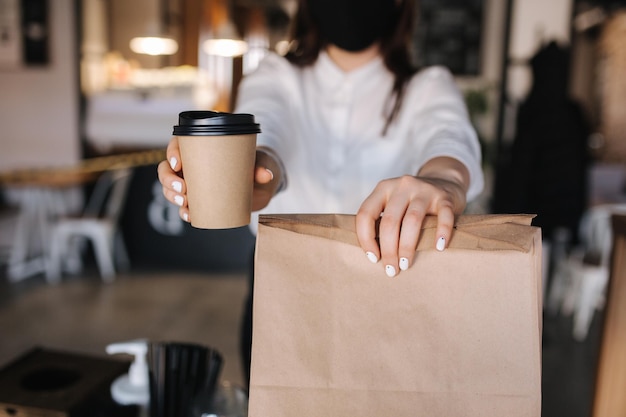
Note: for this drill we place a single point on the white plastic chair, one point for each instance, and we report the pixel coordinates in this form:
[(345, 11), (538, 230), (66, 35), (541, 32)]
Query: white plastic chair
[(99, 224), (580, 280)]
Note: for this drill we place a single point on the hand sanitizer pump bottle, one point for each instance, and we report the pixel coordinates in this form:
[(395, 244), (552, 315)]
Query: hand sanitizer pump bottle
[(132, 388)]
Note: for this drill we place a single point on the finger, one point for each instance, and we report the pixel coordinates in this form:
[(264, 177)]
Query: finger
[(175, 198), (183, 212), (173, 186), (173, 155), (163, 172), (389, 233), (445, 223), (169, 180), (367, 218), (409, 235), (263, 175)]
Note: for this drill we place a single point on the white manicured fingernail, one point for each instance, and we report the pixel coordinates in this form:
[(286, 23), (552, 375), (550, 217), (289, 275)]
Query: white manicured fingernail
[(179, 200), (441, 244), (173, 162), (186, 217), (177, 186), (391, 271), (271, 174), (370, 255), (404, 264)]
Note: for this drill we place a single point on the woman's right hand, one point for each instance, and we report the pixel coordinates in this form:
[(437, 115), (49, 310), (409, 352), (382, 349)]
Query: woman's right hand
[(267, 178), (171, 179)]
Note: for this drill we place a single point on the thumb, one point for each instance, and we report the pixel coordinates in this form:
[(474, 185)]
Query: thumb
[(263, 175)]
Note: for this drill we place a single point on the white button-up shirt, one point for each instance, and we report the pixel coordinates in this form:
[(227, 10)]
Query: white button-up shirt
[(326, 126)]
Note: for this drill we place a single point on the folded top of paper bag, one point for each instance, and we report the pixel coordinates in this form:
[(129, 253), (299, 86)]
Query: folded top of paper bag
[(475, 232)]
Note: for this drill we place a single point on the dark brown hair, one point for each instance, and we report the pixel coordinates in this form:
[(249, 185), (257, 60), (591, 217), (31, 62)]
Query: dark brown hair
[(394, 44)]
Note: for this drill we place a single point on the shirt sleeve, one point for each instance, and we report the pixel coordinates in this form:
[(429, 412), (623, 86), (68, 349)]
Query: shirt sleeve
[(441, 125), (264, 93)]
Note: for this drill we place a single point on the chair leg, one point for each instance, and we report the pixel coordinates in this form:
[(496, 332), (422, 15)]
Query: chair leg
[(72, 260), (559, 287), (120, 254), (103, 249), (571, 295), (55, 256), (593, 281)]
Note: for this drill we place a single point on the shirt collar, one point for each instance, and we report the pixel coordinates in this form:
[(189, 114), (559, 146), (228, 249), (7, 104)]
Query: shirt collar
[(329, 75)]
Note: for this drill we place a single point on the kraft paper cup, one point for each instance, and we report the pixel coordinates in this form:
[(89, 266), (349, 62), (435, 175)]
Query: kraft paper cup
[(218, 152)]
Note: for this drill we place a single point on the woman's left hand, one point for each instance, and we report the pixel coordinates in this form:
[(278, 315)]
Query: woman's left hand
[(401, 205)]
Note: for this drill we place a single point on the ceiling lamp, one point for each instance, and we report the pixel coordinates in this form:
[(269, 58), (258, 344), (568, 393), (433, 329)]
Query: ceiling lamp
[(226, 42), (225, 47), (153, 45)]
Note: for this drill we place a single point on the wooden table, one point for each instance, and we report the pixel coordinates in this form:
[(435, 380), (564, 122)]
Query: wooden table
[(46, 193)]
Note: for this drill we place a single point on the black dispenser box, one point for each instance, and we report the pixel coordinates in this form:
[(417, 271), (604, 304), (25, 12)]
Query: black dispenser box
[(50, 383)]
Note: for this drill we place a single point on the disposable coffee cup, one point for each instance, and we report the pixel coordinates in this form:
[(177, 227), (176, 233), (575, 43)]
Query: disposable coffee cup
[(218, 152)]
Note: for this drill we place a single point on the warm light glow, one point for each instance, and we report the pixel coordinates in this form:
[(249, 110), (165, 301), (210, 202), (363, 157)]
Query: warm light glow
[(225, 47), (282, 47), (154, 46)]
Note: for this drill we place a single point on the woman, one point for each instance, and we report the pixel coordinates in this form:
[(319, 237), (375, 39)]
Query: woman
[(349, 126)]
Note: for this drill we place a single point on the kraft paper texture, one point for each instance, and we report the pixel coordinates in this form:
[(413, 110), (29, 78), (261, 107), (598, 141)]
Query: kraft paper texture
[(458, 334), (219, 173)]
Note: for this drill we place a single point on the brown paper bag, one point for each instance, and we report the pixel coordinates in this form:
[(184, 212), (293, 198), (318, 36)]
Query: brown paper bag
[(458, 334)]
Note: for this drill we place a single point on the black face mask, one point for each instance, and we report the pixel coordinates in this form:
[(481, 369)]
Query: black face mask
[(352, 25)]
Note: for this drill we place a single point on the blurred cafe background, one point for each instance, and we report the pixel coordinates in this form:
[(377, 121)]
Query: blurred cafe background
[(93, 87)]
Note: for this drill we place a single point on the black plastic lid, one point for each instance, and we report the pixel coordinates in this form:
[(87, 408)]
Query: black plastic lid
[(211, 123)]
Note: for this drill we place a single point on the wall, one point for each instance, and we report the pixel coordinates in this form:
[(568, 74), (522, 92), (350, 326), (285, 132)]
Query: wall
[(532, 22), (491, 66), (535, 22), (39, 106)]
